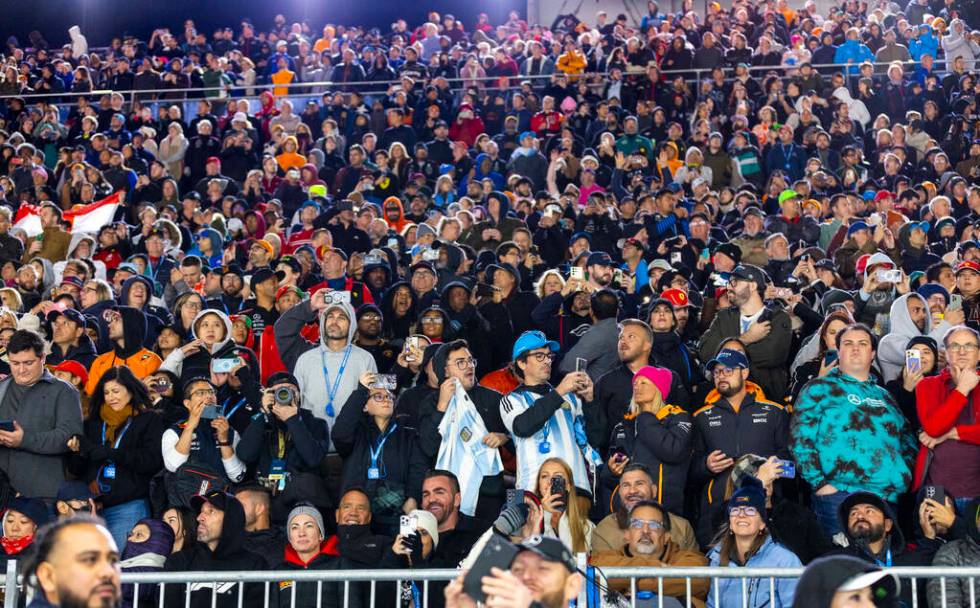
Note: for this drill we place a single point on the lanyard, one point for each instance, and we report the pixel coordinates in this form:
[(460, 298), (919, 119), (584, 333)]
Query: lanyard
[(224, 407), (888, 560), (380, 446), (119, 436), (332, 390), (281, 440), (545, 431)]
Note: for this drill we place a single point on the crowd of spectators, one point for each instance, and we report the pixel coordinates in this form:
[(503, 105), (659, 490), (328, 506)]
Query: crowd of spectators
[(702, 289)]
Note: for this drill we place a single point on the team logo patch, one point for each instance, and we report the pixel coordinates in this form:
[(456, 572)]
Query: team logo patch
[(465, 434)]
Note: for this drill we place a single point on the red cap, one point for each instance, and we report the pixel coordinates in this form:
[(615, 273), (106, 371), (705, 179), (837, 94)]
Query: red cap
[(74, 368), (862, 263), (213, 159), (676, 297), (883, 194), (967, 265)]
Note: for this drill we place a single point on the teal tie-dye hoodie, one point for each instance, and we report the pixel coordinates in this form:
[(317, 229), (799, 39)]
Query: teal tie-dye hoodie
[(852, 435)]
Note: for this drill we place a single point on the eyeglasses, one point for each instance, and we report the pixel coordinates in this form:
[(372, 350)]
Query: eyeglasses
[(962, 348), (652, 524), (204, 392), (464, 363), (743, 511), (432, 321), (542, 357), (720, 372), (382, 397), (89, 288), (371, 317)]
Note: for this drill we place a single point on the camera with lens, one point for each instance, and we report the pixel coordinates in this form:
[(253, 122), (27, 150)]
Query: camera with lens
[(283, 395)]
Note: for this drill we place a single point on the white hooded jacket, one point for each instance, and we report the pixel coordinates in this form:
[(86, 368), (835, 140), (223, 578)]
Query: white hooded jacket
[(855, 107), (891, 349)]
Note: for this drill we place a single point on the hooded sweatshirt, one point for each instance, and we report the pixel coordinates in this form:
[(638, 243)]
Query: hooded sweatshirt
[(131, 353), (316, 367), (891, 349), (229, 555), (852, 435), (199, 363)]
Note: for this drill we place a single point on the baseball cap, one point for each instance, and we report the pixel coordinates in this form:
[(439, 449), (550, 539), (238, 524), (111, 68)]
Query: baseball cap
[(676, 297), (218, 499), (260, 276), (748, 272), (74, 490), (550, 550), (264, 244), (77, 282), (660, 264), (858, 225), (600, 258), (69, 313), (728, 358), (844, 573), (967, 265), (532, 340), (73, 367), (282, 378), (787, 194)]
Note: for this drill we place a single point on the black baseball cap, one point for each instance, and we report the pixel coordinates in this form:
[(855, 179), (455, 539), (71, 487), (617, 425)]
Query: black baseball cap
[(261, 275), (748, 272), (218, 499), (69, 313), (836, 573), (282, 378), (550, 550)]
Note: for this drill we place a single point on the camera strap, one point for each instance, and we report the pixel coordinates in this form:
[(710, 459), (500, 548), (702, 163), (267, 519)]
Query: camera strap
[(224, 407)]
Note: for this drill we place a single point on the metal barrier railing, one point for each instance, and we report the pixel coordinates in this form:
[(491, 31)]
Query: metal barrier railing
[(749, 577)]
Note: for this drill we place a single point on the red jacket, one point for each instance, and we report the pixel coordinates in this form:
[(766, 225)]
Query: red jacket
[(939, 404)]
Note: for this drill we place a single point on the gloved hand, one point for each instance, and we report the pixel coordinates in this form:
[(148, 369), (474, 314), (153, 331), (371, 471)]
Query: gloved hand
[(511, 519)]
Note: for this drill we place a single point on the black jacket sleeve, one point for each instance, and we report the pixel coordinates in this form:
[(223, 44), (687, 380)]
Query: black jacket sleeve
[(349, 423), (534, 419)]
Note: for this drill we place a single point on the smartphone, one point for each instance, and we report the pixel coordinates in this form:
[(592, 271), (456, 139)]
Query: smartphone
[(889, 276), (829, 357), (705, 254), (211, 412), (7, 426), (676, 258), (581, 365), (483, 290), (618, 455), (497, 553), (393, 243), (386, 381), (411, 344), (937, 493), (558, 487), (224, 366), (913, 360), (576, 272), (408, 525), (784, 293), (513, 496), (788, 468), (617, 276), (430, 255), (955, 302)]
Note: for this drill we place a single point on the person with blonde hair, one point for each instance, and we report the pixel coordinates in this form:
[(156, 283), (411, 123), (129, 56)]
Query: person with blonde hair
[(555, 511)]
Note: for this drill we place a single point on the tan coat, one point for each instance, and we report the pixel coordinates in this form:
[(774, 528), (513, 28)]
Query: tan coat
[(608, 535), (674, 557)]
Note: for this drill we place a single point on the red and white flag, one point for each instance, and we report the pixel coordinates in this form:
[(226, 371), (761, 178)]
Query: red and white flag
[(83, 218)]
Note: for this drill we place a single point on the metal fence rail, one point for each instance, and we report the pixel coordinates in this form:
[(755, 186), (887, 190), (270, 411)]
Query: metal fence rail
[(764, 578)]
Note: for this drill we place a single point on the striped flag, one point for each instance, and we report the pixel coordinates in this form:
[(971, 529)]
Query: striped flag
[(83, 218), (462, 450)]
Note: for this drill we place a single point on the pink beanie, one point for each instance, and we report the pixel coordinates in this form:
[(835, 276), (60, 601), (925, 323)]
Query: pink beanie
[(660, 377)]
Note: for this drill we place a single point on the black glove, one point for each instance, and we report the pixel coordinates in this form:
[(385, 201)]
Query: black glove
[(512, 519)]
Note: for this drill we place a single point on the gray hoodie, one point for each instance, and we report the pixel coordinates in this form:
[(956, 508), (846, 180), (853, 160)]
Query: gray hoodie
[(312, 364), (891, 349)]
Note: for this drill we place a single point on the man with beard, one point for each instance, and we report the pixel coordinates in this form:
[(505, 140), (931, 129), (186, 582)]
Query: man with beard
[(333, 264), (369, 338), (614, 390), (738, 423), (909, 318), (261, 307), (457, 532), (766, 333), (230, 300), (355, 544), (219, 548), (260, 253), (649, 544), (872, 533), (546, 568), (454, 364), (636, 485), (76, 566), (261, 537)]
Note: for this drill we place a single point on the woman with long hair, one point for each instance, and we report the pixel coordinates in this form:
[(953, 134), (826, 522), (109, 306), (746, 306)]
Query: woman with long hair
[(183, 522), (744, 542), (819, 365), (111, 454), (556, 510)]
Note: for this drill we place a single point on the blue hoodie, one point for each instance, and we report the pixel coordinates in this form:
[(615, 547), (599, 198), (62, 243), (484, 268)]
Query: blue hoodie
[(926, 43), (854, 51), (498, 180), (217, 247)]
